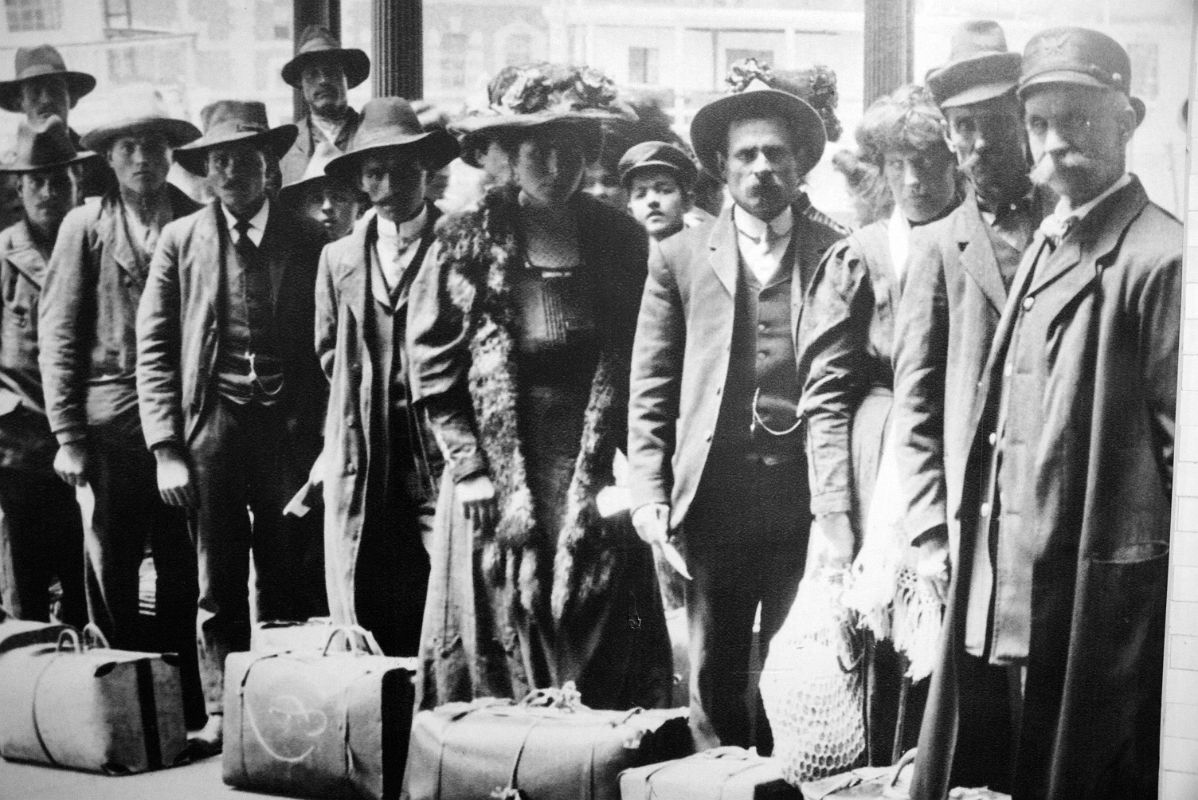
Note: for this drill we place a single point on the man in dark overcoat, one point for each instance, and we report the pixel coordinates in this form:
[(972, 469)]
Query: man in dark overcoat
[(1058, 590), (380, 465), (324, 72), (230, 390), (714, 418), (41, 533), (93, 285)]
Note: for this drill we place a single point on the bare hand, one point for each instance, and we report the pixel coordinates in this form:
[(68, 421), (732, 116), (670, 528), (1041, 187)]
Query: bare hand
[(832, 541), (70, 463), (652, 522), (934, 566), (174, 478), (476, 495)]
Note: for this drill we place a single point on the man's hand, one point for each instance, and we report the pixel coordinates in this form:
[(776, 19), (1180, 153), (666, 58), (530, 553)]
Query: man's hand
[(934, 566), (174, 477), (652, 522), (476, 495), (832, 541), (70, 463)]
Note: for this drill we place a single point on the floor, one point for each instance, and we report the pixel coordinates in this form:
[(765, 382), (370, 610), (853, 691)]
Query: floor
[(198, 781)]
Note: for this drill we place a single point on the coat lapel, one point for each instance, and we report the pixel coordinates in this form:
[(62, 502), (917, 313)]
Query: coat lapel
[(209, 251), (977, 255), (114, 234), (24, 255), (724, 256)]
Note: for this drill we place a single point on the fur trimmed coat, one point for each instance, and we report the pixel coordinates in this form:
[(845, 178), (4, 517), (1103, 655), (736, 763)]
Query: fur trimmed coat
[(533, 581)]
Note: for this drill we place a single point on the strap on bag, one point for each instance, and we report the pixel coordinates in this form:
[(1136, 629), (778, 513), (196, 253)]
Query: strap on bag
[(357, 640), (512, 791), (149, 712), (68, 636)]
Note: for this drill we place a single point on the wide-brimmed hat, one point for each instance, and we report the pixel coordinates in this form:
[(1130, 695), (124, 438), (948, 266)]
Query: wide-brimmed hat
[(753, 97), (979, 66), (34, 62), (659, 155), (541, 94), (227, 121), (176, 132), (1080, 57), (390, 122), (46, 145), (319, 44), (315, 178)]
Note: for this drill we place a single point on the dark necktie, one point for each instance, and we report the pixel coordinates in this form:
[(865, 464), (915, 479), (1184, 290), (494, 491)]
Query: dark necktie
[(257, 279)]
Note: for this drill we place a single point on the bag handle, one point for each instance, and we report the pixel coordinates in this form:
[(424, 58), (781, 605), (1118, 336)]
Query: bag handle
[(357, 640), (907, 758), (567, 698), (93, 637), (69, 636)]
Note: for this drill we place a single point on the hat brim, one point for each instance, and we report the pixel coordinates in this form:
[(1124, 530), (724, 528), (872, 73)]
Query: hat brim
[(278, 141), (975, 79), (475, 131), (19, 168), (354, 62), (1076, 78), (709, 128), (436, 149), (78, 85), (293, 193), (177, 132)]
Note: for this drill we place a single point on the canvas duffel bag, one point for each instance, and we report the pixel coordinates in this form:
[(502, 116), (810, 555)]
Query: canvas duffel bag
[(548, 747), (78, 703), (16, 633), (723, 773), (330, 723)]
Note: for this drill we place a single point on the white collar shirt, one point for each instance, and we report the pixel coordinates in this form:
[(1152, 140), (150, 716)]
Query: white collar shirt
[(395, 247), (257, 222), (762, 244), (1063, 218)]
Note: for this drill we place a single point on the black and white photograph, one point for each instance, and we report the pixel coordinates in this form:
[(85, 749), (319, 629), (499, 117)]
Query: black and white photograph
[(619, 400)]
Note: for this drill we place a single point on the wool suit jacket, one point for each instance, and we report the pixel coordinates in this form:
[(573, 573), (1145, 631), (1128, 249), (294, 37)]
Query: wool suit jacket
[(182, 309), (295, 161), (683, 344)]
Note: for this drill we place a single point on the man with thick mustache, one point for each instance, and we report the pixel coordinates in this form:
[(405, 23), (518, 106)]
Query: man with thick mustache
[(231, 393), (715, 425), (1049, 680), (92, 288), (324, 71)]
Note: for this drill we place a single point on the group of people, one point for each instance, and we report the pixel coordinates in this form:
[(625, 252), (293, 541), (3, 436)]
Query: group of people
[(966, 404)]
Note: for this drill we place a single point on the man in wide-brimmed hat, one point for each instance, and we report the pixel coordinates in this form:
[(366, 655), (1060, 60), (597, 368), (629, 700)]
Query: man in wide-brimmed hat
[(88, 360), (375, 555), (324, 72), (715, 413), (958, 275), (41, 533), (1049, 678), (230, 391)]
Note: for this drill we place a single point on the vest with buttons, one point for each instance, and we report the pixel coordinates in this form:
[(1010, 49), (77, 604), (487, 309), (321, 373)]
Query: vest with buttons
[(248, 367)]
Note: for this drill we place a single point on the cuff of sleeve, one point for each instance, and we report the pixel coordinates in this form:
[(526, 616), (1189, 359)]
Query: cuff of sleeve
[(71, 436), (831, 503)]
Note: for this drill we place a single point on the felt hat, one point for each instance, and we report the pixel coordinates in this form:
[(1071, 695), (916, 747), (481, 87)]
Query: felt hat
[(661, 155), (34, 62), (228, 121), (980, 67), (315, 178), (390, 122), (753, 96), (176, 132), (46, 145), (318, 44), (1080, 57)]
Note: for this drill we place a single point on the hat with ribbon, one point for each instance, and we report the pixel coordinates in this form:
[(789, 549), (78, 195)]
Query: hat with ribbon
[(391, 123), (980, 67), (753, 96), (318, 44), (1079, 57), (234, 121), (46, 145), (659, 155), (35, 62)]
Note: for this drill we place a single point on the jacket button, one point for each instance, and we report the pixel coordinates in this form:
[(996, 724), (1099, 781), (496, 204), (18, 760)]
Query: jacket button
[(1028, 302), (993, 438), (984, 511)]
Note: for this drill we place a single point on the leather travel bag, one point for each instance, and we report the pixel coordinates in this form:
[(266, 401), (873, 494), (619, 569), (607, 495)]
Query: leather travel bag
[(80, 704), (723, 773), (329, 723), (547, 747)]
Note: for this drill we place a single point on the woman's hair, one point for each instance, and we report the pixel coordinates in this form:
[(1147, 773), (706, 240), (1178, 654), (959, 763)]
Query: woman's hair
[(872, 200), (905, 119)]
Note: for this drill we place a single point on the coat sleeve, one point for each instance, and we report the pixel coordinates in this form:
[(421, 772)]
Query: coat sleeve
[(833, 340), (159, 388), (921, 358), (656, 377), (326, 315), (1159, 313), (438, 339), (66, 323)]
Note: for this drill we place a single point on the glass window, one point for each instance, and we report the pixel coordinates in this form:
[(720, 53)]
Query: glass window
[(453, 60), (1144, 57), (642, 65), (33, 15)]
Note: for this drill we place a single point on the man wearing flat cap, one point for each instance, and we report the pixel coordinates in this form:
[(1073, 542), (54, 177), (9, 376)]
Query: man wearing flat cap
[(231, 394), (324, 72), (41, 533), (1058, 591), (376, 559), (959, 272), (715, 407), (88, 359)]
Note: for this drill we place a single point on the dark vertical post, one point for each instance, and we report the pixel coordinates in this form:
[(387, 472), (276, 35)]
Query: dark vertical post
[(888, 46), (398, 67), (312, 12)]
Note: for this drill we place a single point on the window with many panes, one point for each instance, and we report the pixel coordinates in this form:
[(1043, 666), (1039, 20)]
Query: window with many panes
[(33, 15), (642, 65)]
